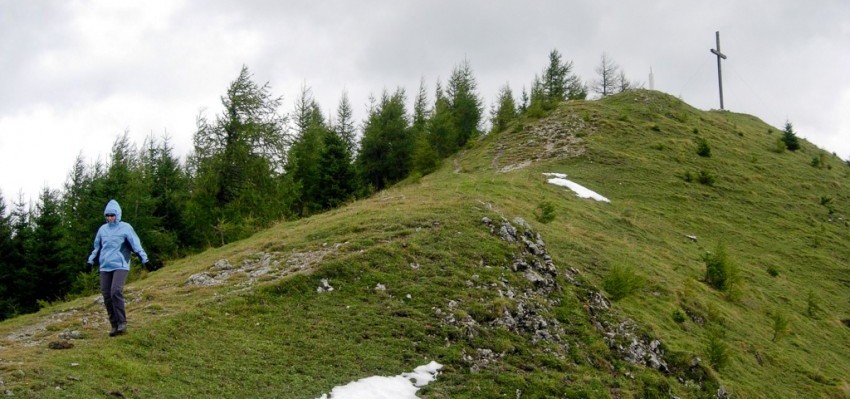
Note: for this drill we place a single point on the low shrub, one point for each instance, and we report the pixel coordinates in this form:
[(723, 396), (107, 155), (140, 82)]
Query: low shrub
[(706, 178), (545, 212), (703, 149), (716, 348), (813, 307), (772, 271), (781, 326), (720, 272), (622, 281)]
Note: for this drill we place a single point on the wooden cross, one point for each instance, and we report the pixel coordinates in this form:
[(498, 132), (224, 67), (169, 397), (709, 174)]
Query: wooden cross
[(719, 75)]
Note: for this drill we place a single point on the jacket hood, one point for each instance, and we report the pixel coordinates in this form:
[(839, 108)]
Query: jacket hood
[(113, 207)]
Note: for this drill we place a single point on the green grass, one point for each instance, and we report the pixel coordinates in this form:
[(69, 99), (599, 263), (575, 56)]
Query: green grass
[(278, 337)]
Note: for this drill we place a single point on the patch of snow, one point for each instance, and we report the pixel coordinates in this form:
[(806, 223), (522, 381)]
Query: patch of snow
[(402, 386), (559, 179)]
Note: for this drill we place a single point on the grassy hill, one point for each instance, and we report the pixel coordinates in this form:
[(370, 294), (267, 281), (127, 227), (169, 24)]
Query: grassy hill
[(459, 267)]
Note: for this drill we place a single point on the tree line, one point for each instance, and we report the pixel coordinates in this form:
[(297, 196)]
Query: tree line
[(251, 165)]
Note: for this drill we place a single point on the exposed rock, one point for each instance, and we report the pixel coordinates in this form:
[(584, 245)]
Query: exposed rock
[(623, 337), (481, 359), (222, 264), (555, 137), (203, 280), (69, 335)]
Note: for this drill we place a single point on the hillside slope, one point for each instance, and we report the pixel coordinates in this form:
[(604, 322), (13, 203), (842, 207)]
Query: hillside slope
[(455, 267)]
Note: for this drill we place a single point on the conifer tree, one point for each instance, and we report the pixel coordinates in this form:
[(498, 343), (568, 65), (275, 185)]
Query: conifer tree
[(559, 83), (789, 137), (305, 153), (336, 175), (8, 304), (344, 126), (504, 110), (49, 271), (465, 104), (523, 101), (608, 73), (539, 102), (420, 110), (80, 215), (235, 164), (424, 157), (441, 131), (169, 188), (387, 146), (22, 237)]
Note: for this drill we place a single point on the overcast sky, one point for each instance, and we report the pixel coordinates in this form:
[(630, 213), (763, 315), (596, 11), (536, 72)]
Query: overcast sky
[(74, 75)]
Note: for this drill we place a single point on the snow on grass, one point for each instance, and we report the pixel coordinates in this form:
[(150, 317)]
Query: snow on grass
[(560, 179), (402, 386)]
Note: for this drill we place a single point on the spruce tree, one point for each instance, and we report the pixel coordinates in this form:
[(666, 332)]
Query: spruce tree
[(305, 153), (387, 145), (169, 188), (465, 104), (789, 137), (23, 291), (344, 126), (424, 157), (559, 83), (48, 267), (441, 131), (336, 176), (504, 111), (8, 304)]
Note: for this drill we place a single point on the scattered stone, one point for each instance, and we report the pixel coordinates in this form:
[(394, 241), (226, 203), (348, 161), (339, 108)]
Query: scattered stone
[(380, 287), (203, 280), (60, 345), (692, 237), (68, 335), (324, 286), (481, 359)]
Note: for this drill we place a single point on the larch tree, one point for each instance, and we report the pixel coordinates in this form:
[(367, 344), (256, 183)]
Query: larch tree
[(235, 163), (608, 77)]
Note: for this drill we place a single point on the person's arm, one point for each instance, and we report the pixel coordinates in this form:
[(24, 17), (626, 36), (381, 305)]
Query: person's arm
[(96, 249), (136, 244)]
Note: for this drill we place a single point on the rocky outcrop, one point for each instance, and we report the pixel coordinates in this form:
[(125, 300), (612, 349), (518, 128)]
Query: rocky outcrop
[(556, 137), (273, 266)]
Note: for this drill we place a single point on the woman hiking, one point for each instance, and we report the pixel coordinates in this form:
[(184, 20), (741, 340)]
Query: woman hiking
[(114, 241)]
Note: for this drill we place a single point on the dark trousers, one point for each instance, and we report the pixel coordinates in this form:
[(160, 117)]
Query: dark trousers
[(112, 288)]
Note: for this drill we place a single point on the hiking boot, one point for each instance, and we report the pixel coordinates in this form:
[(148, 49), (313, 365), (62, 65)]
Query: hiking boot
[(119, 330)]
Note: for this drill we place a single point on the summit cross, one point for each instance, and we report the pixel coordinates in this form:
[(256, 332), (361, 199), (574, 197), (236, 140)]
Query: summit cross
[(719, 75)]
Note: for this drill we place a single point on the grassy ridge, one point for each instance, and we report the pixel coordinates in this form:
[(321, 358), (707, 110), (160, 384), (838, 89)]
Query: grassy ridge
[(274, 335)]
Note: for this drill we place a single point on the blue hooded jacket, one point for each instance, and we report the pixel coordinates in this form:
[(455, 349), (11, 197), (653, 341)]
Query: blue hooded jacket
[(114, 241)]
